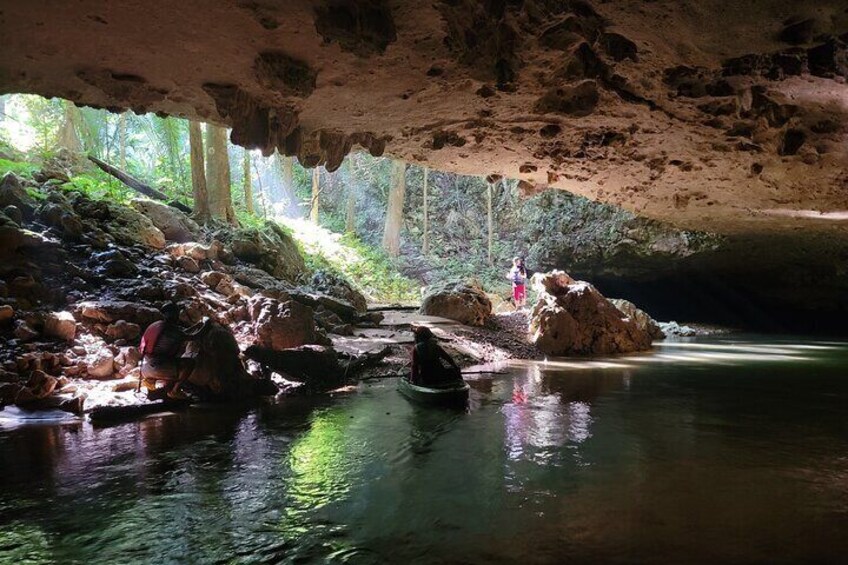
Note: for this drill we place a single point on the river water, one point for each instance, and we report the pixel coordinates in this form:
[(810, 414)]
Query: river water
[(727, 449)]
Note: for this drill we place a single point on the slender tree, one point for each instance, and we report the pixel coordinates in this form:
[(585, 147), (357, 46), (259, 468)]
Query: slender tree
[(218, 174), (247, 183), (122, 128), (350, 209), (489, 221), (426, 245), (316, 194), (289, 197), (394, 212), (263, 194), (198, 174), (68, 133)]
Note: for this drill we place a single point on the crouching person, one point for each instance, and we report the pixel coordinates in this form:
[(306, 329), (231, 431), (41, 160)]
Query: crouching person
[(163, 352)]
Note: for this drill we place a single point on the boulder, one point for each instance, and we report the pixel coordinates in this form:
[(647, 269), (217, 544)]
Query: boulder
[(173, 223), (14, 214), (24, 331), (642, 319), (109, 311), (270, 248), (316, 366), (60, 325), (13, 238), (101, 365), (464, 302), (281, 325), (6, 313), (255, 278), (125, 225), (188, 264), (114, 264), (59, 214), (219, 372), (13, 193), (340, 288), (123, 330), (575, 319)]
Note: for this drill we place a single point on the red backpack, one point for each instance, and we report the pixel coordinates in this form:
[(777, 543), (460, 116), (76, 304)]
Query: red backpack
[(151, 336)]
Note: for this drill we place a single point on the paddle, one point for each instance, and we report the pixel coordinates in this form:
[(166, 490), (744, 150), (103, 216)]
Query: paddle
[(483, 372)]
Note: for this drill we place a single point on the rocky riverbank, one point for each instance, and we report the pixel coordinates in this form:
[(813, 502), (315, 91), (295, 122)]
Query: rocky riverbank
[(80, 279)]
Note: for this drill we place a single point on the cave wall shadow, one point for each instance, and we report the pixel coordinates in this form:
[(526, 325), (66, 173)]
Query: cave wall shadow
[(742, 300)]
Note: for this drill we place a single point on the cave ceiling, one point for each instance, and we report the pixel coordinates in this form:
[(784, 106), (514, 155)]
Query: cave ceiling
[(718, 115)]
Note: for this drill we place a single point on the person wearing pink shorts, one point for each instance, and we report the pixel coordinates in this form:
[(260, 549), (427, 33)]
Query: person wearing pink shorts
[(518, 276)]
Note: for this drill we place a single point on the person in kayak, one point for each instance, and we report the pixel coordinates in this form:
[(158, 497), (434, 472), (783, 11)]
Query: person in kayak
[(162, 349), (518, 277), (428, 368)]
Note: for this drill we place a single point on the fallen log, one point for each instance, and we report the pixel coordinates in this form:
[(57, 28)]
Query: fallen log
[(392, 308), (137, 185)]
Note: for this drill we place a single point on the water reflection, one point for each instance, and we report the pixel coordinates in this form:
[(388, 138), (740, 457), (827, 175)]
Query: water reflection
[(709, 450), (549, 410)]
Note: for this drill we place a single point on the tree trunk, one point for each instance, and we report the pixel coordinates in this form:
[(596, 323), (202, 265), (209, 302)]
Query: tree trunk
[(218, 175), (122, 126), (68, 135), (426, 246), (263, 197), (350, 212), (489, 219), (137, 185), (247, 183), (290, 203), (316, 193), (198, 174), (2, 107), (394, 212)]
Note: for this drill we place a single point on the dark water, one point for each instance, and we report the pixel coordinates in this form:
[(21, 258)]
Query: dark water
[(729, 450)]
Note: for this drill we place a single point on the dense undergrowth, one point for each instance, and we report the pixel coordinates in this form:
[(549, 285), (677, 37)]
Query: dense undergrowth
[(367, 268)]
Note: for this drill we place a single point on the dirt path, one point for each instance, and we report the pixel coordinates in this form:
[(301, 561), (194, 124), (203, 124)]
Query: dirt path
[(503, 337)]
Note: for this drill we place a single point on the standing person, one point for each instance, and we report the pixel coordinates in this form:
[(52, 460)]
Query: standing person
[(518, 277)]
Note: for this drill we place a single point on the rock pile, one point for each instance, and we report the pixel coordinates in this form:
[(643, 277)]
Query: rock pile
[(81, 279)]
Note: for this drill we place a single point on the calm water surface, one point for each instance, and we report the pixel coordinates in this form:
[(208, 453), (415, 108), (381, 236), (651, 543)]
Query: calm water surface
[(729, 449)]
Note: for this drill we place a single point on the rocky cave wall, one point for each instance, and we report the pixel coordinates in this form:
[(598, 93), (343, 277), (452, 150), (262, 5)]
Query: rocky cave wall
[(715, 115)]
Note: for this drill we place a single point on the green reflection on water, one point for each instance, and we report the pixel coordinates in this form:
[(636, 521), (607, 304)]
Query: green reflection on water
[(24, 544)]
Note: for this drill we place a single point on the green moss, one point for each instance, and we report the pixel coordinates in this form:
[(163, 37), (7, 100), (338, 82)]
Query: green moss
[(98, 185), (20, 168), (376, 272)]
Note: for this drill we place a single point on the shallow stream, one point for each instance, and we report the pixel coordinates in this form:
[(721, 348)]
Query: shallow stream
[(724, 449)]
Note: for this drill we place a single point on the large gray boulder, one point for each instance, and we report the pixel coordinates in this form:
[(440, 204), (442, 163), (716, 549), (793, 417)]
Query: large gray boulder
[(573, 318), (464, 302), (173, 223)]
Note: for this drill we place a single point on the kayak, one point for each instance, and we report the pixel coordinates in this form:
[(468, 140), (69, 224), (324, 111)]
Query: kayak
[(450, 395)]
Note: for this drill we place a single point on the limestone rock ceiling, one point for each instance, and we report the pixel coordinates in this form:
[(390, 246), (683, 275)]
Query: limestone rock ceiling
[(712, 114)]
